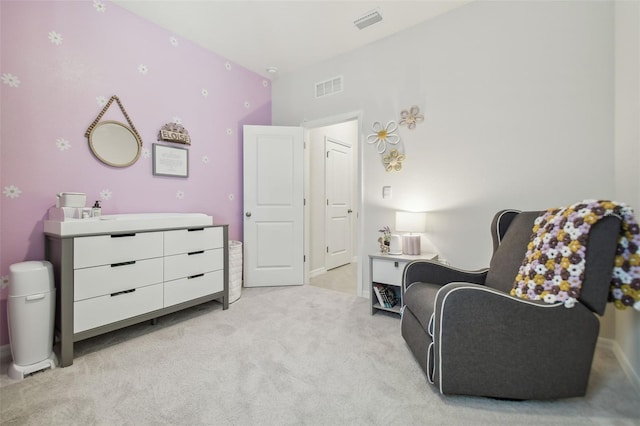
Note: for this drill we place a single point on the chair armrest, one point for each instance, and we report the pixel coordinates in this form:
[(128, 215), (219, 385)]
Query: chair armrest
[(489, 343), (434, 272)]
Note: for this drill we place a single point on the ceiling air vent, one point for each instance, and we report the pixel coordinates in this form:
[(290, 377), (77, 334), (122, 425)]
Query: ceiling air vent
[(369, 18), (329, 87)]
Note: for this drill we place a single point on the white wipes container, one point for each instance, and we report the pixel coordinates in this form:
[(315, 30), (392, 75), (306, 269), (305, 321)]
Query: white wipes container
[(30, 314)]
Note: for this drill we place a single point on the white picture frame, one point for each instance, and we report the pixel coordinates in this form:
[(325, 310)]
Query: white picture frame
[(170, 161)]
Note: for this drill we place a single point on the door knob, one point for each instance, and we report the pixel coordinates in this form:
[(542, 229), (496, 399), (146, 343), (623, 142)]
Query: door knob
[(248, 214)]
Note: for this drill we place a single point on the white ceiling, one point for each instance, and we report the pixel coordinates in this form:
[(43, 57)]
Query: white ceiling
[(289, 35)]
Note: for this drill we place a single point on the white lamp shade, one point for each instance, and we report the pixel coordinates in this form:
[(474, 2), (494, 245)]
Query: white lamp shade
[(411, 221)]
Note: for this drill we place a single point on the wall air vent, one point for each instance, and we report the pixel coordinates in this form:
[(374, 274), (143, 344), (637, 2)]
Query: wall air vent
[(369, 18), (329, 87)]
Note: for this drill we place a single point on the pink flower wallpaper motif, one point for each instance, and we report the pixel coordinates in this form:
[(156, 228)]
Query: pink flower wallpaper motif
[(60, 63)]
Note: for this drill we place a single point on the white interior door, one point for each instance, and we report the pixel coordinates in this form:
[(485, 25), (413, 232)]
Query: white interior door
[(273, 206), (338, 203)]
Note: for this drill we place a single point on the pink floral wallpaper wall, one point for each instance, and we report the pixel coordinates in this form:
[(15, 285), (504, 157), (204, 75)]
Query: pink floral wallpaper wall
[(60, 63)]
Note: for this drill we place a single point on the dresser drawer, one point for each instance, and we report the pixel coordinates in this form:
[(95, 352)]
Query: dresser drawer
[(107, 249), (187, 241), (387, 271), (92, 313), (186, 265), (101, 280), (179, 291)]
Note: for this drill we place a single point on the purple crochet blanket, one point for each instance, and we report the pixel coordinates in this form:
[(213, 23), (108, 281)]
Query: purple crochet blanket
[(553, 267)]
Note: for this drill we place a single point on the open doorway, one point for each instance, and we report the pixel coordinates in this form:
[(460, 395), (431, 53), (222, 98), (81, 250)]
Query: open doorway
[(332, 197)]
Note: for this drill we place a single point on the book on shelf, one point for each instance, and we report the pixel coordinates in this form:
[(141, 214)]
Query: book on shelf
[(377, 290), (385, 295)]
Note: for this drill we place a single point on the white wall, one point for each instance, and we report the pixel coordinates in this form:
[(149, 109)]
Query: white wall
[(627, 152), (518, 101)]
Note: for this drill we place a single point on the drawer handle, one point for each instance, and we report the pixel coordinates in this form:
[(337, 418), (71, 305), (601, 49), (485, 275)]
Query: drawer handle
[(395, 264), (195, 252), (123, 235), (195, 276), (195, 229), (123, 292), (131, 262)]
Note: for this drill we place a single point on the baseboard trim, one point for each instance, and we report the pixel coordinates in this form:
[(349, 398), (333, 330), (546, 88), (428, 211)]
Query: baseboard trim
[(622, 360), (317, 272)]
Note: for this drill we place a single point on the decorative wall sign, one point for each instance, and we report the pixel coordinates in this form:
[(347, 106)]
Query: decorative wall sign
[(411, 117), (170, 161), (173, 132)]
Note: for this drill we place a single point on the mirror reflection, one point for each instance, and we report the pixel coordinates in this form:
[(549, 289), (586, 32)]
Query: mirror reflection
[(115, 144)]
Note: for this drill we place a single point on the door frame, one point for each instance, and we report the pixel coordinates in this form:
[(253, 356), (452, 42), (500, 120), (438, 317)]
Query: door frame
[(358, 202)]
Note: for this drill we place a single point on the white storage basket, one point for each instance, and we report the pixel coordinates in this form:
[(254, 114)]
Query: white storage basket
[(235, 270)]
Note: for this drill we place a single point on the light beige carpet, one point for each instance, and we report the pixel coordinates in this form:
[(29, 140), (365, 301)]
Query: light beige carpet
[(343, 278), (279, 356)]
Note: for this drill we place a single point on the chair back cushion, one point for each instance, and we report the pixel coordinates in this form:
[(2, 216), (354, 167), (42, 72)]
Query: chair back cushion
[(600, 254), (509, 255)]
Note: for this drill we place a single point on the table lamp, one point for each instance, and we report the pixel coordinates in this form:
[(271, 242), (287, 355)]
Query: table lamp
[(411, 222)]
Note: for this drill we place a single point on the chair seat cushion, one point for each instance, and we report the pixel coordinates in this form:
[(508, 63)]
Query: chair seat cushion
[(419, 299)]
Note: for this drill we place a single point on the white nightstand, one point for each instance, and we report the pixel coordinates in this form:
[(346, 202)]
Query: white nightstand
[(386, 271)]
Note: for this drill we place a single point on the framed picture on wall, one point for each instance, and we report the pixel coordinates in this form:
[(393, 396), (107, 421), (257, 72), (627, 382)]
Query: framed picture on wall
[(170, 161)]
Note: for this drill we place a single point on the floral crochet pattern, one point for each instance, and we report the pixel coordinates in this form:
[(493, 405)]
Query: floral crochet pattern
[(411, 117), (553, 267), (383, 135)]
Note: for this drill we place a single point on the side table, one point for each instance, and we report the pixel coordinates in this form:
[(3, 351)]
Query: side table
[(385, 272)]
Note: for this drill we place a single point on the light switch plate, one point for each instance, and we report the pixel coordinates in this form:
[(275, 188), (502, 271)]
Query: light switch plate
[(386, 192)]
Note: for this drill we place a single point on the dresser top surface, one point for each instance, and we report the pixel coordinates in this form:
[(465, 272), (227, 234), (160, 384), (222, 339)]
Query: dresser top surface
[(136, 222)]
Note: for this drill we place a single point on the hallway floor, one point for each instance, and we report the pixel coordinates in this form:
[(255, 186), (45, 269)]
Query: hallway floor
[(343, 279)]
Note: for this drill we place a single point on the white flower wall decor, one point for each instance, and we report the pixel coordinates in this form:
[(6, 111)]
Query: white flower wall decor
[(12, 191), (205, 92), (101, 100), (411, 117), (105, 194), (55, 38), (63, 144), (142, 69), (10, 80), (180, 195), (99, 6), (383, 136), (173, 41)]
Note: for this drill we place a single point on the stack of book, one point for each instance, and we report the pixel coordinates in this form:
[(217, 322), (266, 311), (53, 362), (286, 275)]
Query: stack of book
[(386, 296)]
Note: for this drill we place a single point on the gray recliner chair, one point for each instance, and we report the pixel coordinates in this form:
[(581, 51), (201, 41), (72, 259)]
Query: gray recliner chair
[(472, 338)]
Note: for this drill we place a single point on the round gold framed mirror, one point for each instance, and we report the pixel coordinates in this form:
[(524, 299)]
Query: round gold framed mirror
[(115, 144)]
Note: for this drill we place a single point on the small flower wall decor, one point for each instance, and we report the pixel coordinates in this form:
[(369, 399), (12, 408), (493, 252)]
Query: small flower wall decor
[(205, 92), (247, 105), (383, 135), (105, 194), (101, 100), (265, 83), (228, 66), (99, 6), (55, 38), (146, 153), (205, 159), (10, 79), (411, 117), (173, 41), (12, 191), (142, 69), (229, 131), (180, 195), (177, 120), (63, 144), (393, 161)]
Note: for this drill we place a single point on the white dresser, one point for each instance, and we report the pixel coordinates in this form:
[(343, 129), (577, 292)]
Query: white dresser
[(113, 280)]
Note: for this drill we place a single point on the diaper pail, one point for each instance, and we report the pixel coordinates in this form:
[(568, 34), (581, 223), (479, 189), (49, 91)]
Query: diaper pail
[(30, 313)]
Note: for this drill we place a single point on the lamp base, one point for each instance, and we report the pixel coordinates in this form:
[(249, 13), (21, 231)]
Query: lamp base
[(411, 244), (395, 245)]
